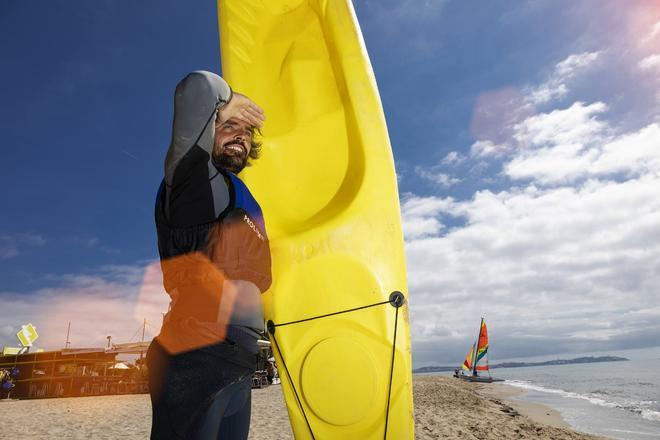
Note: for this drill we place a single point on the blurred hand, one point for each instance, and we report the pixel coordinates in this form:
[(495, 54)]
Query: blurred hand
[(243, 108)]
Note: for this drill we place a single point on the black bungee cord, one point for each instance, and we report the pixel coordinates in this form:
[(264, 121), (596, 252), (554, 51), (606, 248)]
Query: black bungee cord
[(396, 300)]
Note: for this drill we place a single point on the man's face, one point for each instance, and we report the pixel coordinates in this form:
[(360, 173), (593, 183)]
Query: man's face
[(233, 140)]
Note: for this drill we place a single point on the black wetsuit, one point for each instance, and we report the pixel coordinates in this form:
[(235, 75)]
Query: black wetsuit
[(215, 258)]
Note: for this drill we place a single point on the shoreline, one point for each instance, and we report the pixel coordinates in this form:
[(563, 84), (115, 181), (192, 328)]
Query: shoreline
[(536, 411), (444, 408)]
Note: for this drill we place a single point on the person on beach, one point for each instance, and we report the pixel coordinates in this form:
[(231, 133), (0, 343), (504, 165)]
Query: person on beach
[(215, 259)]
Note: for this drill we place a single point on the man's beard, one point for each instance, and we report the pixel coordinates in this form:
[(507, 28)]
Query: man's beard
[(232, 162)]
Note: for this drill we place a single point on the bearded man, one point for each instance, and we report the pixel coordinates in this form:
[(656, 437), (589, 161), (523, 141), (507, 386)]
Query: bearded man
[(216, 263)]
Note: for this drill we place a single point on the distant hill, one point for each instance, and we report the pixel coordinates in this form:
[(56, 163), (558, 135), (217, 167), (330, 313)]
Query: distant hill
[(580, 360)]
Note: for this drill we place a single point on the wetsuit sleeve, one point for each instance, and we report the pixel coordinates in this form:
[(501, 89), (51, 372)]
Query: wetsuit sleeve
[(196, 100), (195, 192)]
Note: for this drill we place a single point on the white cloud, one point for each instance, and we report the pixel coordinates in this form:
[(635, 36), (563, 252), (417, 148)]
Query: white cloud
[(559, 146), (504, 121), (651, 62), (655, 31), (112, 301), (426, 206), (553, 265), (11, 245), (453, 157), (25, 238), (567, 259), (633, 153), (495, 115), (568, 67), (571, 144), (548, 92), (576, 124), (417, 227), (7, 251), (402, 169), (486, 148), (436, 175), (443, 173), (419, 215), (555, 87)]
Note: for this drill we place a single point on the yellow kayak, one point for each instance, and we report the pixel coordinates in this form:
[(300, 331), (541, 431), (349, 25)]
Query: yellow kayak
[(328, 190)]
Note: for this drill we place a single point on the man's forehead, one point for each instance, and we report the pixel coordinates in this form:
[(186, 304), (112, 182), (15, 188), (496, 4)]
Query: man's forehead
[(236, 121)]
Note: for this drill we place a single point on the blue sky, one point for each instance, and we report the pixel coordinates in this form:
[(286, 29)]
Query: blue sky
[(523, 134), (87, 92)]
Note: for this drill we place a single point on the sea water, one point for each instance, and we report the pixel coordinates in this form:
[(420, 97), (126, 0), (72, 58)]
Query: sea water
[(618, 400)]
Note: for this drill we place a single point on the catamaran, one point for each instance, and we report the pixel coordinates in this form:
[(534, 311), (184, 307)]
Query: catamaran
[(470, 368)]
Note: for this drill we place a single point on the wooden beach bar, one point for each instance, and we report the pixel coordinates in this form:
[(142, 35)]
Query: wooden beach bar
[(77, 372)]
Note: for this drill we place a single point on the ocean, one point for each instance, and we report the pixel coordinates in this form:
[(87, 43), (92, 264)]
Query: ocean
[(619, 400)]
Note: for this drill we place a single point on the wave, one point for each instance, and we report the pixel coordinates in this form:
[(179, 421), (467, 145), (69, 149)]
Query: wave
[(640, 407), (627, 431)]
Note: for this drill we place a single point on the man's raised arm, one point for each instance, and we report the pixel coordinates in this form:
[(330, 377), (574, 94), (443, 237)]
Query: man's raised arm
[(199, 98)]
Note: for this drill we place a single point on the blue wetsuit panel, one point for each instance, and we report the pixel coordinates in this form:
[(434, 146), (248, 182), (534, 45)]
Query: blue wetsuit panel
[(245, 201)]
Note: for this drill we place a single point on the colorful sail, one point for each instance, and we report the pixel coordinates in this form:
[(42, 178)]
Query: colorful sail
[(467, 363), (477, 360), (482, 344)]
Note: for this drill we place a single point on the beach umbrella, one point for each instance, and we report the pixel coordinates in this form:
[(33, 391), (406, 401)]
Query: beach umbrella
[(120, 366)]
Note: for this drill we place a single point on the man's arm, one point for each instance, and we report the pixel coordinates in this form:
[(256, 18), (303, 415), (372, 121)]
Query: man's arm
[(198, 99)]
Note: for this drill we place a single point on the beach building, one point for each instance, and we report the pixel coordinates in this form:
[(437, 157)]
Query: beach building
[(78, 372), (75, 372)]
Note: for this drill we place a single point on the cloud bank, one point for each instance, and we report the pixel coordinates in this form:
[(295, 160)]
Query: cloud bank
[(111, 301), (566, 258)]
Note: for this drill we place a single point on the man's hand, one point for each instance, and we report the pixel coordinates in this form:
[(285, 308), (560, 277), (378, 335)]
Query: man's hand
[(243, 108)]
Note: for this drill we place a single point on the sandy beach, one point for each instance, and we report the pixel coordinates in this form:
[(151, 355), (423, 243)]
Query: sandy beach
[(445, 408)]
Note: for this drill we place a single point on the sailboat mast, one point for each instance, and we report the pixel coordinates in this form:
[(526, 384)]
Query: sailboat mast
[(476, 346), (68, 331)]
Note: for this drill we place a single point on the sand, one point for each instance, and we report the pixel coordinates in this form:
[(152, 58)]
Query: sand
[(270, 420), (445, 408), (102, 417), (448, 408)]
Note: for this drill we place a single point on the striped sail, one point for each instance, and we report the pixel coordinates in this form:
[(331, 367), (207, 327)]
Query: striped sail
[(482, 347), (467, 363)]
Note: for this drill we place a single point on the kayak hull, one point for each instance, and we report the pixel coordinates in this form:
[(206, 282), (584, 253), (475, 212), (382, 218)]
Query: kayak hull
[(328, 190)]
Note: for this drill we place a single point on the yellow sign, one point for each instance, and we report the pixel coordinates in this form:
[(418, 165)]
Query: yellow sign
[(27, 335), (7, 351)]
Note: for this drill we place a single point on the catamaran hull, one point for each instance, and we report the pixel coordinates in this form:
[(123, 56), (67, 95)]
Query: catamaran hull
[(480, 379)]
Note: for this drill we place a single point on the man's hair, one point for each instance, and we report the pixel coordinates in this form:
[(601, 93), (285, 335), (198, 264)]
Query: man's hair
[(255, 146)]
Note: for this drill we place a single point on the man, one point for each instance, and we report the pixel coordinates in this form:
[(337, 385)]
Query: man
[(216, 263)]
